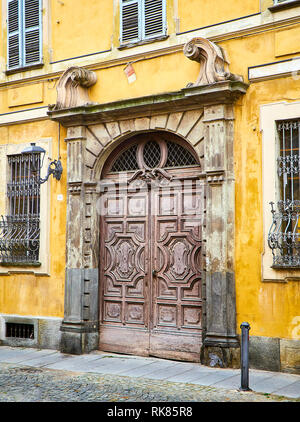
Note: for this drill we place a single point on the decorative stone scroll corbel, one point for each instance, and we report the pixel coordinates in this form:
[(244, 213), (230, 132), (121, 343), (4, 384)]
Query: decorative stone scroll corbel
[(214, 65), (72, 88)]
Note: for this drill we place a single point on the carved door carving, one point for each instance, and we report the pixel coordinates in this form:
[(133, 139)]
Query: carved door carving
[(176, 307), (151, 265)]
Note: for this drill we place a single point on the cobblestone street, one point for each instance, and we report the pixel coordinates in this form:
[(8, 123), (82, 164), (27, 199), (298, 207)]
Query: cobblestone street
[(27, 384)]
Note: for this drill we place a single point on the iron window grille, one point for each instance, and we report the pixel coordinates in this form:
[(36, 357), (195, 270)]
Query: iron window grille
[(15, 330), (20, 229), (284, 233), (176, 156), (127, 161)]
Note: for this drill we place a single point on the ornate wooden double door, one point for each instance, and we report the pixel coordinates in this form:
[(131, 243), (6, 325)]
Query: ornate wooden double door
[(151, 265)]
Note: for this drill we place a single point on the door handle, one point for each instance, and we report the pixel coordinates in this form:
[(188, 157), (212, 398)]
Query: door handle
[(154, 273)]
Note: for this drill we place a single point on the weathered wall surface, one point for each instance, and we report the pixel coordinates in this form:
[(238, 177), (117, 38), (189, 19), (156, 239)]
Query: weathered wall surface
[(26, 293), (271, 308)]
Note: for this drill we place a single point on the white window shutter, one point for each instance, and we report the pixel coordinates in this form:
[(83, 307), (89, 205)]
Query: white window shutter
[(130, 21), (154, 18), (142, 20), (32, 27), (13, 31)]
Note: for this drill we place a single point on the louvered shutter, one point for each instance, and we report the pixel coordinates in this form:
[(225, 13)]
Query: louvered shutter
[(32, 31), (154, 18), (13, 39), (24, 33), (130, 21)]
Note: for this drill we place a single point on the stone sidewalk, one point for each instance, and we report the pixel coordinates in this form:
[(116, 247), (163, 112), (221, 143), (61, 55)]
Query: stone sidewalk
[(282, 384)]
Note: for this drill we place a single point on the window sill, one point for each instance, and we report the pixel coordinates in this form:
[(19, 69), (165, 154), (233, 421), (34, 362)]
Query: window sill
[(285, 267), (284, 5), (24, 69), (142, 42), (20, 264)]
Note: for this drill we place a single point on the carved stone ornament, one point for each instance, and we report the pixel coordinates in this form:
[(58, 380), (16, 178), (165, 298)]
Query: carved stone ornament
[(147, 176), (214, 65), (72, 88)]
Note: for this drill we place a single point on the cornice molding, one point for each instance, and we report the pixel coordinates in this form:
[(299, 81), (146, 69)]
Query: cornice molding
[(191, 98)]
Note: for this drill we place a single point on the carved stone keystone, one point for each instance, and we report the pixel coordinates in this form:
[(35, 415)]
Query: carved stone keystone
[(214, 64), (72, 88)]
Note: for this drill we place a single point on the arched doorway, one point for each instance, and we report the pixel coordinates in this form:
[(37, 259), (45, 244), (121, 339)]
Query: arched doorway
[(152, 212)]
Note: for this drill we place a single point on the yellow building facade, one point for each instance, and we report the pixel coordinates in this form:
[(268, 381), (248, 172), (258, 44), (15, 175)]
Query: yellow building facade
[(220, 83)]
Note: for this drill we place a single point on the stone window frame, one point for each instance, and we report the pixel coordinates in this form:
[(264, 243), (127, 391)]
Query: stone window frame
[(283, 4), (143, 40), (269, 115), (45, 210)]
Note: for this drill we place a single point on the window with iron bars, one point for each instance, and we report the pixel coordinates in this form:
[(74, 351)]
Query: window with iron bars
[(284, 234), (20, 229)]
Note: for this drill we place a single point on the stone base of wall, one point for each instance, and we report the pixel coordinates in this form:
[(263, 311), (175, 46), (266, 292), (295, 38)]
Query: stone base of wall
[(77, 343), (266, 353), (46, 332), (274, 354), (221, 357)]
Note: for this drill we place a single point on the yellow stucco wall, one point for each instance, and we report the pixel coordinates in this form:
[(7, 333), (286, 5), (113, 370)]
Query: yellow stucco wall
[(77, 29), (200, 13), (270, 308), (29, 294)]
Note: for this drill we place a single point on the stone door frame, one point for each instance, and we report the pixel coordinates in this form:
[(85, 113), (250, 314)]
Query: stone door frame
[(204, 118)]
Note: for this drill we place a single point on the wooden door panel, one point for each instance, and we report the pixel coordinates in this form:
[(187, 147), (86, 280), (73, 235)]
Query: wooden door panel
[(124, 340), (175, 346), (143, 312), (176, 283), (124, 273)]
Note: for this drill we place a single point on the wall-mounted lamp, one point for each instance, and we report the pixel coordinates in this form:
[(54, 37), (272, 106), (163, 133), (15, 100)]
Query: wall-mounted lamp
[(35, 152)]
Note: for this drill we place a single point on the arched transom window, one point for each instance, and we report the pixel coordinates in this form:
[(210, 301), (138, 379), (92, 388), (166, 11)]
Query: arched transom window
[(153, 150)]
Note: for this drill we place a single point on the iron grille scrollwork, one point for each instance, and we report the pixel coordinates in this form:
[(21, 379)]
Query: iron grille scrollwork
[(20, 230), (152, 154), (19, 239), (284, 233)]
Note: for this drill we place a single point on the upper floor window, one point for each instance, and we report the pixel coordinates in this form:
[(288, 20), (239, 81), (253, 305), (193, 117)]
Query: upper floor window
[(284, 235), (24, 35), (142, 20)]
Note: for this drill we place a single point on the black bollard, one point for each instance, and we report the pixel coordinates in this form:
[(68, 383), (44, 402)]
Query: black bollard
[(245, 357)]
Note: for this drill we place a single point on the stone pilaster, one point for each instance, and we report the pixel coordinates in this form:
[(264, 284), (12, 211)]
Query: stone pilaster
[(220, 336), (80, 324)]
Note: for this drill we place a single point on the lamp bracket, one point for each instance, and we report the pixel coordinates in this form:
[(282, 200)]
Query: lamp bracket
[(55, 168)]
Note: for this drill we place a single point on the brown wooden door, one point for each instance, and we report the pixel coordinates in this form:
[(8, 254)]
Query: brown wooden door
[(175, 312), (151, 270), (151, 248), (125, 272)]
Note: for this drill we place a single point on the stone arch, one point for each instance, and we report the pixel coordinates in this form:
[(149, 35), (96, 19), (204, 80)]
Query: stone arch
[(141, 138), (103, 138)]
